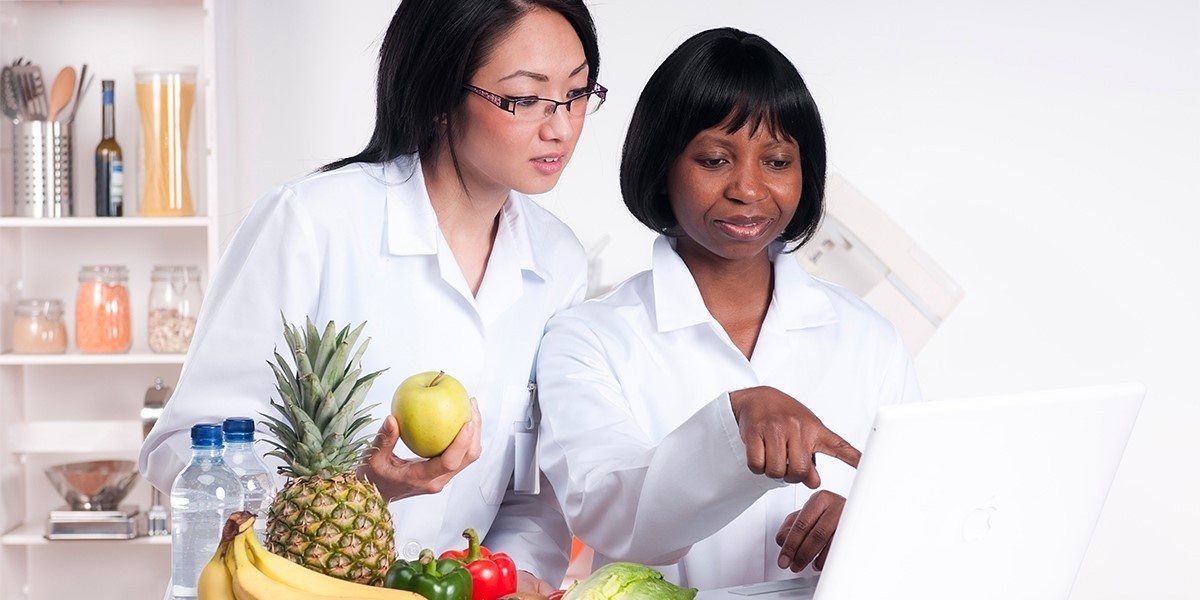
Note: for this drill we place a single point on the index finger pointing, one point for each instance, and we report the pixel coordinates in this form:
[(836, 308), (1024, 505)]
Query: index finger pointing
[(833, 445)]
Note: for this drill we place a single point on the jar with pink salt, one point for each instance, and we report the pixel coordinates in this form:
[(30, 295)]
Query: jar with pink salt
[(102, 318), (38, 327)]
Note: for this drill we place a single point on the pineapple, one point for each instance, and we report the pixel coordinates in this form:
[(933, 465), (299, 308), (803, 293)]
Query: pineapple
[(325, 518)]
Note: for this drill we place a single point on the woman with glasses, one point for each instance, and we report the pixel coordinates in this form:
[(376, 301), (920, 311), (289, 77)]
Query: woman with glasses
[(427, 235), (680, 410)]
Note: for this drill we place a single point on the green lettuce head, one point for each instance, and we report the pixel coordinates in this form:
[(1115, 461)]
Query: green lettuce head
[(627, 581)]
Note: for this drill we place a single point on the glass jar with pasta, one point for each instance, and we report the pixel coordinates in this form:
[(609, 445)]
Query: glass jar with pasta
[(102, 319), (174, 306), (165, 96)]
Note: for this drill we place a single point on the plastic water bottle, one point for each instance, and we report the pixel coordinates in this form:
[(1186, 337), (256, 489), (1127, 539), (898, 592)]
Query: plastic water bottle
[(257, 483), (202, 498)]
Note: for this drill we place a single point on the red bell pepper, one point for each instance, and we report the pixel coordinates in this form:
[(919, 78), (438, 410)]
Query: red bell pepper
[(492, 575)]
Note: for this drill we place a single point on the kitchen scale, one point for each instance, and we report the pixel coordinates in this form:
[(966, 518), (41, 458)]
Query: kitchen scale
[(93, 491), (66, 524)]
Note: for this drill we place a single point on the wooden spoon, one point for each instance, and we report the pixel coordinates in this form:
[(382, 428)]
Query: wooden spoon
[(61, 92)]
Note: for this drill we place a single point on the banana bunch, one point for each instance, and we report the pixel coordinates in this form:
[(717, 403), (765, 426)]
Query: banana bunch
[(242, 569)]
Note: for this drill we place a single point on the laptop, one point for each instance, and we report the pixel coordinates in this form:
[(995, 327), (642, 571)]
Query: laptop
[(985, 498)]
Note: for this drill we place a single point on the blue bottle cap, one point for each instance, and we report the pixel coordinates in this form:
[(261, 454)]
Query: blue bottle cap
[(239, 429), (207, 435)]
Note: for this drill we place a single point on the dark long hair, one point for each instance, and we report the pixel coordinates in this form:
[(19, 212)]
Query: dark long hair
[(430, 49), (720, 76)]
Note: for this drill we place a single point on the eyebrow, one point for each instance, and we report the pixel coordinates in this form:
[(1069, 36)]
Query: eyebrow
[(720, 140), (540, 76), (709, 138)]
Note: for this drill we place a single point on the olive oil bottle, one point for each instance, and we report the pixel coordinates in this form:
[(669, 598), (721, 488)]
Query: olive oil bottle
[(110, 168)]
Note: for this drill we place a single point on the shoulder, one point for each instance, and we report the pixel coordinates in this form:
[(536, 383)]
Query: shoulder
[(337, 190), (622, 312), (550, 232), (553, 242), (317, 204), (858, 319)]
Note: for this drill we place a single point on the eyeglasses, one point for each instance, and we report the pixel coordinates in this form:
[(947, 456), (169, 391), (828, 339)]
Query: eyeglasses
[(580, 102)]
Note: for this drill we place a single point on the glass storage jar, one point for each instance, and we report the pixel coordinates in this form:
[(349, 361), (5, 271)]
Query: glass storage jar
[(174, 306), (38, 327), (102, 319), (165, 96)]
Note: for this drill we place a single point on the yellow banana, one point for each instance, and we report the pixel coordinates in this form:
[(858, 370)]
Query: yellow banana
[(215, 582), (285, 571), (250, 583)]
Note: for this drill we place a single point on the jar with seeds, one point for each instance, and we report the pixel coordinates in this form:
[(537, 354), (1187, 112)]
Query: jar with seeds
[(173, 307)]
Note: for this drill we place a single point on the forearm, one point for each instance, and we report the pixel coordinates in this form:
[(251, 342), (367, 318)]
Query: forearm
[(651, 504)]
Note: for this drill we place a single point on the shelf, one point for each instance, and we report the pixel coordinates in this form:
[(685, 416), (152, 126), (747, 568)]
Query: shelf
[(75, 358), (117, 2), (32, 534), (101, 222), (75, 437)]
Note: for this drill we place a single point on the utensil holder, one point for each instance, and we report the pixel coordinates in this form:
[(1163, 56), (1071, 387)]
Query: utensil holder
[(43, 180)]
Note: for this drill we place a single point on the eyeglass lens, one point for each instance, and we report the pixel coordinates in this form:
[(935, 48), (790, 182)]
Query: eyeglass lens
[(532, 110)]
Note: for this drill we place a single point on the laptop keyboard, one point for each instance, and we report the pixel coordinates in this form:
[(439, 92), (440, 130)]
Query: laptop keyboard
[(775, 589)]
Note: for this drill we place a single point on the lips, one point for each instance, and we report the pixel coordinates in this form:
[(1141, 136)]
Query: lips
[(548, 164), (744, 227)]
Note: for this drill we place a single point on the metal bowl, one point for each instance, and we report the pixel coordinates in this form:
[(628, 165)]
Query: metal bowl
[(95, 484)]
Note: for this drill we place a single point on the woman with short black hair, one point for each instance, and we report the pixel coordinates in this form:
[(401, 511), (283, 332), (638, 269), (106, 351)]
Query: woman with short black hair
[(678, 408), (686, 96)]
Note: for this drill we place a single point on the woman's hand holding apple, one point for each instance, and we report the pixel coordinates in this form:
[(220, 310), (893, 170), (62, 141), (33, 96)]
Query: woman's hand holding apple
[(399, 478)]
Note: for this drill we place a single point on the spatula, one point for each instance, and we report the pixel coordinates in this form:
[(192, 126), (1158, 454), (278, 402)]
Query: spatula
[(10, 95), (61, 91), (34, 91)]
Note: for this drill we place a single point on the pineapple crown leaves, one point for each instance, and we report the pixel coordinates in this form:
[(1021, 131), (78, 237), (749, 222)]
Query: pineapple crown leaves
[(320, 410)]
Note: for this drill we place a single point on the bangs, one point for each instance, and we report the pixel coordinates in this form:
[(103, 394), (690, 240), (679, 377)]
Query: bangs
[(743, 87), (755, 116)]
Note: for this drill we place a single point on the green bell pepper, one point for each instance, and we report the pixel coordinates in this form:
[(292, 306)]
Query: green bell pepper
[(444, 579)]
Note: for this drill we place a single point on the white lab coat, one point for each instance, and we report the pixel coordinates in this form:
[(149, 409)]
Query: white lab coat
[(362, 243), (638, 436)]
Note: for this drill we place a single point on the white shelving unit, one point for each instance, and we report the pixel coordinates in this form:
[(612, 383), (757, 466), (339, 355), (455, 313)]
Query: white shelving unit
[(127, 222), (31, 534), (72, 407)]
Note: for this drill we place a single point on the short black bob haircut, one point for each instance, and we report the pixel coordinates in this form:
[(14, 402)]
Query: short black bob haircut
[(720, 76), (433, 47)]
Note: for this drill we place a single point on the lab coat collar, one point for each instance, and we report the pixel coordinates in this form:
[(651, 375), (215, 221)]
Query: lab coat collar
[(677, 300), (515, 223), (412, 227), (799, 300)]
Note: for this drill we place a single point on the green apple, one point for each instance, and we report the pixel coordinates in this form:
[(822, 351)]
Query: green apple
[(431, 408)]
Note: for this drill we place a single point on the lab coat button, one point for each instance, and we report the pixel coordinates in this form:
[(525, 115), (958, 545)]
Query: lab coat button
[(412, 550)]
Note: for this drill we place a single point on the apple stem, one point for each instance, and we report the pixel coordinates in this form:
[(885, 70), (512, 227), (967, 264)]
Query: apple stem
[(436, 379)]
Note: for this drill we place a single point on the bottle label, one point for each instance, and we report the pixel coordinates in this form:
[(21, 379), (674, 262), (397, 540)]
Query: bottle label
[(106, 96), (116, 182)]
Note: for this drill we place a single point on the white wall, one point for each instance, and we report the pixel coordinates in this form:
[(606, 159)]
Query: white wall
[(1045, 153)]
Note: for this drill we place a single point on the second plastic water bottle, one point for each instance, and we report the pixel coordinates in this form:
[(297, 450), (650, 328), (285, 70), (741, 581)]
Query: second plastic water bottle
[(257, 483), (202, 498)]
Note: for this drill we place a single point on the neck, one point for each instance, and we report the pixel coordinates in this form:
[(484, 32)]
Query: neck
[(464, 211), (737, 293), (467, 213)]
